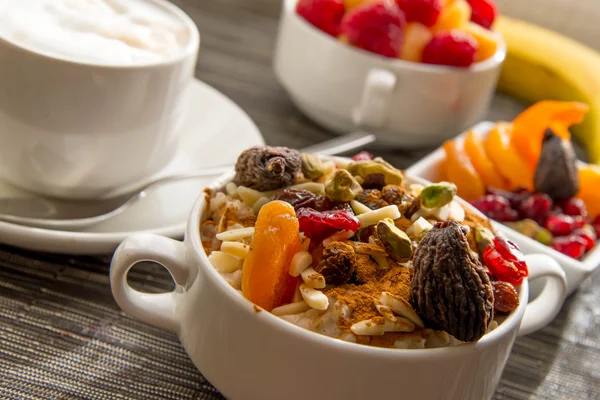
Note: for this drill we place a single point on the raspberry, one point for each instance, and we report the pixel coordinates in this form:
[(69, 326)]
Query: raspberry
[(483, 12), (563, 225), (588, 235), (536, 207), (424, 11), (571, 246), (363, 156), (323, 14), (496, 207), (453, 48), (377, 27), (573, 207), (318, 225), (505, 261)]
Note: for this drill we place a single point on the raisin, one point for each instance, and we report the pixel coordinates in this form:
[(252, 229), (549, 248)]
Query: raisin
[(371, 198), (397, 195), (337, 263), (506, 298), (300, 198)]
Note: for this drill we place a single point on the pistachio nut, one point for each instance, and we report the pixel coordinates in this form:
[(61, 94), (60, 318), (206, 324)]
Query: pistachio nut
[(312, 166), (342, 186), (484, 237), (438, 194), (532, 229), (397, 243), (364, 168)]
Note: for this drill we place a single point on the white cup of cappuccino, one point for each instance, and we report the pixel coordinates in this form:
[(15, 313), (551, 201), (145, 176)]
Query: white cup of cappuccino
[(92, 93)]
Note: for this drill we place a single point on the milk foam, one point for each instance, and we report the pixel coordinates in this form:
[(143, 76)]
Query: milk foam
[(111, 32)]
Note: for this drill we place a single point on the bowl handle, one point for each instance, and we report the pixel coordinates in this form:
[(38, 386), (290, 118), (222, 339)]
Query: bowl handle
[(546, 306), (372, 111), (154, 309)]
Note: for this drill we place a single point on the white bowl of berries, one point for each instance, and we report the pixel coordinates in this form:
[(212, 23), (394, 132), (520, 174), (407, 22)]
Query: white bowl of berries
[(550, 209), (414, 72)]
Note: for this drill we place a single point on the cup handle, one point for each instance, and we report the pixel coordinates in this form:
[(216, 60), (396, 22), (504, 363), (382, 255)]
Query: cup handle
[(154, 309), (374, 104), (546, 306)]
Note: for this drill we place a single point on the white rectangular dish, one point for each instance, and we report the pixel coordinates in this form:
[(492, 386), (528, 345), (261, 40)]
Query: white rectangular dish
[(576, 271)]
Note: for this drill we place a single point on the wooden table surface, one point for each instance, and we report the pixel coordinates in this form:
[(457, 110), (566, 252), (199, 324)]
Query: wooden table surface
[(62, 335)]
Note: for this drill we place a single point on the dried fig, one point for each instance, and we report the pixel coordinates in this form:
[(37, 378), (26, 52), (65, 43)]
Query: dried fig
[(450, 289), (267, 168)]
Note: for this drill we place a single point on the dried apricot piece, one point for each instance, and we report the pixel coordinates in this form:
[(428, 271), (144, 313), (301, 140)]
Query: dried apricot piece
[(460, 171), (475, 149), (265, 277), (530, 125), (505, 159), (589, 182)]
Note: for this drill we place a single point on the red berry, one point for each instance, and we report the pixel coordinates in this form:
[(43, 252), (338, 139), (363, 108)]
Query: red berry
[(574, 207), (516, 197), (363, 156), (571, 246), (323, 14), (453, 48), (496, 207), (596, 225), (536, 207), (505, 261), (563, 225), (588, 235), (425, 12), (318, 225), (375, 27), (483, 12)]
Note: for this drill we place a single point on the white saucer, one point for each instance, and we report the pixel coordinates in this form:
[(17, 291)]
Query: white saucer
[(216, 131)]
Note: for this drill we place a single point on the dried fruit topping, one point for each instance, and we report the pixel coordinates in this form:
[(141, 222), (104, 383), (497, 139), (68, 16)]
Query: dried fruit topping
[(374, 181), (596, 225), (496, 207), (398, 196), (514, 197), (362, 156), (312, 166), (536, 207), (323, 14), (267, 168), (318, 225), (425, 12), (438, 194), (588, 234), (505, 261), (337, 264), (556, 170), (562, 225), (506, 298), (371, 198), (454, 48), (484, 12), (342, 186), (377, 27), (450, 289), (300, 198), (396, 243), (573, 207), (392, 176), (572, 246), (533, 230)]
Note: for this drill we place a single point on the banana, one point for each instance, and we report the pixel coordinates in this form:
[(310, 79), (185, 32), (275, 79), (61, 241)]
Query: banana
[(544, 65)]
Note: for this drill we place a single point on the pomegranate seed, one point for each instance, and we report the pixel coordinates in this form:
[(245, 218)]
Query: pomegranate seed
[(536, 207), (516, 197), (571, 246), (375, 27), (454, 48), (496, 207), (323, 14), (363, 156), (506, 298), (588, 235), (563, 225), (484, 12), (596, 225), (573, 207), (425, 12), (318, 225)]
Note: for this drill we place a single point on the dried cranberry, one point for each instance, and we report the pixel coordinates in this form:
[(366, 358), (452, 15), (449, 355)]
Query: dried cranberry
[(496, 207), (300, 198), (562, 225), (573, 207), (588, 235), (362, 156), (536, 207), (571, 246), (596, 225), (318, 225), (505, 261)]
